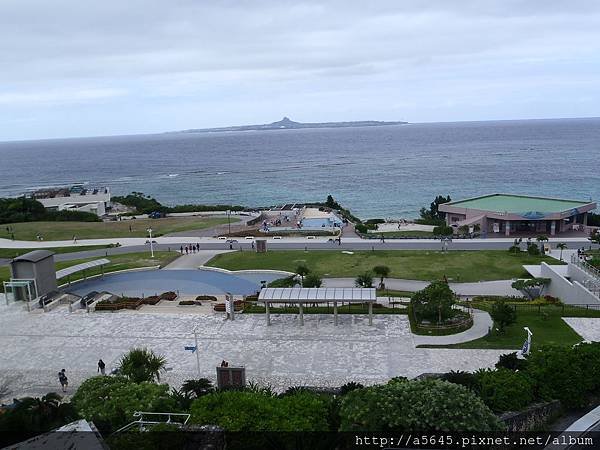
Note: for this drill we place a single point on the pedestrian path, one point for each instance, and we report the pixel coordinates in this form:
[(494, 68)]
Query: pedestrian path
[(193, 260), (482, 323), (497, 287)]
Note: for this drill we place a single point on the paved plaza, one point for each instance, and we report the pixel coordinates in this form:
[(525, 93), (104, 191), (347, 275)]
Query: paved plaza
[(588, 328), (35, 346)]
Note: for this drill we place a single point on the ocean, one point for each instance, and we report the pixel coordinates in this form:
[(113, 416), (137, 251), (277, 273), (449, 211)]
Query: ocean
[(387, 172)]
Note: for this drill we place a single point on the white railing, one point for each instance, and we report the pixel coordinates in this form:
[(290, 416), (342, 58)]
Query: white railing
[(593, 284), (146, 419)]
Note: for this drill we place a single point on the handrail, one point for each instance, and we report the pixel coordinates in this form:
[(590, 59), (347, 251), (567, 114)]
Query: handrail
[(146, 421)]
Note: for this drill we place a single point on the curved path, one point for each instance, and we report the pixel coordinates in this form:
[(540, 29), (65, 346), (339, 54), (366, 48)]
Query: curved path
[(498, 287), (482, 322)]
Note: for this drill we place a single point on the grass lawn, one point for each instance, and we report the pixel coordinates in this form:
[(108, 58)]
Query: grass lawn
[(400, 234), (117, 262), (53, 231), (547, 327), (461, 266), (14, 252)]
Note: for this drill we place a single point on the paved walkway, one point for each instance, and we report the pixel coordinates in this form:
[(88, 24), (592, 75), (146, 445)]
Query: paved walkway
[(588, 328), (499, 287), (482, 322), (193, 260), (35, 346)]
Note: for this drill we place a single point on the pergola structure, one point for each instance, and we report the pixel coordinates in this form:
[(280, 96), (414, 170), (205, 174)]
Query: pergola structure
[(81, 267), (302, 296)]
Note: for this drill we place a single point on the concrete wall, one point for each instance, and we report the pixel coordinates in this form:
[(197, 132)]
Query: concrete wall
[(571, 293), (43, 272)]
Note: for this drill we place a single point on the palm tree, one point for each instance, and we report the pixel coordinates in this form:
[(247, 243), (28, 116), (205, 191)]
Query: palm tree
[(302, 270), (382, 272), (364, 280), (561, 246), (541, 238), (141, 364), (199, 387)]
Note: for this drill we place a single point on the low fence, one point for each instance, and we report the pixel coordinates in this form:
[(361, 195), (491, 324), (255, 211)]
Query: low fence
[(593, 308), (452, 328)]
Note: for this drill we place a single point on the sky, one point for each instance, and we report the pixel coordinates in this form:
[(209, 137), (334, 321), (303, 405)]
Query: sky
[(89, 68)]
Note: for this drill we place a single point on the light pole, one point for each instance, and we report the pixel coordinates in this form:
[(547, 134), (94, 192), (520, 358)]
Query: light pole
[(197, 352), (229, 221), (149, 230)]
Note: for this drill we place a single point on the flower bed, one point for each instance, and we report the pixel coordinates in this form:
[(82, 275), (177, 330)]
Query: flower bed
[(189, 303), (211, 298), (170, 296), (119, 303), (238, 305), (152, 300)]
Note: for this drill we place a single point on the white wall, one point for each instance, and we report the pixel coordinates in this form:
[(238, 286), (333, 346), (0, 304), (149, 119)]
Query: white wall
[(571, 293)]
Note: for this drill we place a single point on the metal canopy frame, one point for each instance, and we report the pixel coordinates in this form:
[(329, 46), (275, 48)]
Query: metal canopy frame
[(17, 283), (67, 272), (301, 296)]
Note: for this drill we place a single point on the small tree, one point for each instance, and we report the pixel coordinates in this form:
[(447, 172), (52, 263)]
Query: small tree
[(595, 238), (529, 287), (516, 247), (561, 246), (503, 314), (382, 272), (434, 302), (312, 280), (541, 239), (302, 271), (141, 364), (463, 230), (364, 280)]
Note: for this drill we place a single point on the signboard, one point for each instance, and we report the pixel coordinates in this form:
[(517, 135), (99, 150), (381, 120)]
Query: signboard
[(191, 348), (496, 227), (229, 307)]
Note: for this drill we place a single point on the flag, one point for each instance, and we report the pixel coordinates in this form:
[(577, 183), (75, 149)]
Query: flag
[(525, 349)]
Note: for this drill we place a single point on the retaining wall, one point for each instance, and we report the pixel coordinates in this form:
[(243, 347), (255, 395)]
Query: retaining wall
[(571, 293)]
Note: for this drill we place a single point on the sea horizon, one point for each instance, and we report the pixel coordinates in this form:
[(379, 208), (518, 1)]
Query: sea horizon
[(385, 171)]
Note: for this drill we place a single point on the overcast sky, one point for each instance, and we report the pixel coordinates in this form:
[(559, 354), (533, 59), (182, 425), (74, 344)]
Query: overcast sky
[(86, 68)]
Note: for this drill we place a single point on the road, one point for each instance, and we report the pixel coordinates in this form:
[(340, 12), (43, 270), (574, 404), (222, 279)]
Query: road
[(130, 245)]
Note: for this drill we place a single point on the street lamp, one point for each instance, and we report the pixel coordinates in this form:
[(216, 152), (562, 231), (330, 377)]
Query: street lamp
[(149, 230), (229, 221)]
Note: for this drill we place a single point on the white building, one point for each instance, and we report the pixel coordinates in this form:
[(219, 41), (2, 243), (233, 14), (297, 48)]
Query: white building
[(75, 198)]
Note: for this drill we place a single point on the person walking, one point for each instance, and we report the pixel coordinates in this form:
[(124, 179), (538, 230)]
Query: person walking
[(181, 249), (63, 380), (101, 367)]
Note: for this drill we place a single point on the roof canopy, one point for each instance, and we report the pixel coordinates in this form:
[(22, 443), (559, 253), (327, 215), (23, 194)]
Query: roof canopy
[(317, 295), (79, 267), (521, 204)]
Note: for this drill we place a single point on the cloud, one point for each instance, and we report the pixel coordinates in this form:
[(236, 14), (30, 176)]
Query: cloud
[(141, 52)]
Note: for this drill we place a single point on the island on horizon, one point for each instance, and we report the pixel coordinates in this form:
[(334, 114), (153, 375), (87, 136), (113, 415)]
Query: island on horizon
[(287, 123)]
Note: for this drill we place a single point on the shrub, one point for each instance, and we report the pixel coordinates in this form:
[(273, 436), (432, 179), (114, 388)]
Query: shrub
[(189, 303), (466, 379), (511, 361), (284, 282), (424, 406), (349, 387), (503, 314), (252, 411), (443, 230), (199, 387), (111, 401), (312, 280), (170, 295), (504, 390), (211, 298), (364, 280), (567, 374)]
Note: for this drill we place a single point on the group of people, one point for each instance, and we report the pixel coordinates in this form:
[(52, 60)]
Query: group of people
[(581, 253), (191, 248)]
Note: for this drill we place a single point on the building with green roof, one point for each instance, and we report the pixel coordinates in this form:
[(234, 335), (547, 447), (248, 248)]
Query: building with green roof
[(508, 214)]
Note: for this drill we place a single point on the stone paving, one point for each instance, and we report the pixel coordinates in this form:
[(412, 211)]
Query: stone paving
[(588, 328), (35, 346)]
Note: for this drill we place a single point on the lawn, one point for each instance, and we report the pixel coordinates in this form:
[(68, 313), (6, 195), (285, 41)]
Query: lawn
[(346, 309), (460, 266), (53, 231), (407, 234), (14, 252), (117, 262), (547, 327)]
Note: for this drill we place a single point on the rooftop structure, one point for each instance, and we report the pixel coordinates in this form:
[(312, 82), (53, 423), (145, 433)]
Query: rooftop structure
[(506, 213)]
